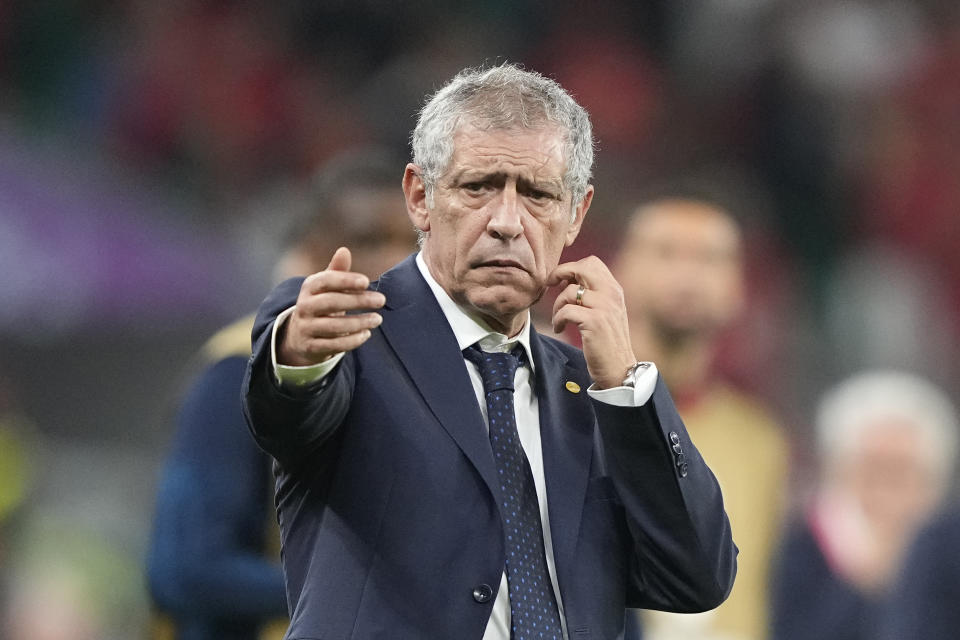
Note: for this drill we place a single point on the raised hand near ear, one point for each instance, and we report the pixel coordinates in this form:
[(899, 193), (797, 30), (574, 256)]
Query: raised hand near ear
[(592, 299), (324, 321)]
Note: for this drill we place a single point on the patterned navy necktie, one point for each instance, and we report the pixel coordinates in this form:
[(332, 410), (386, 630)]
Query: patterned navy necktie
[(533, 606)]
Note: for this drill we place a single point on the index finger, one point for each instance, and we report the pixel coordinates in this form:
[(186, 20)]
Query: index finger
[(590, 272), (568, 272)]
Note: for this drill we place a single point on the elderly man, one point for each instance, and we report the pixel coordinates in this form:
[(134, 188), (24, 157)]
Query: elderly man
[(443, 470)]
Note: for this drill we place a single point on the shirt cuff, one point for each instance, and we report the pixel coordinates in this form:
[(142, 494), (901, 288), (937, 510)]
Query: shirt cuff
[(289, 376), (644, 383)]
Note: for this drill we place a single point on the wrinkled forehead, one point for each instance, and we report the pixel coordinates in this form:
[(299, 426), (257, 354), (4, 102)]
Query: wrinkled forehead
[(529, 151)]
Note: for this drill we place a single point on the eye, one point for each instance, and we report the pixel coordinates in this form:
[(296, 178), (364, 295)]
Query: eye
[(538, 195), (474, 187)]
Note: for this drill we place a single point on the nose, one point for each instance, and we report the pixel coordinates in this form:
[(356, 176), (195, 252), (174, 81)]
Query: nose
[(505, 220)]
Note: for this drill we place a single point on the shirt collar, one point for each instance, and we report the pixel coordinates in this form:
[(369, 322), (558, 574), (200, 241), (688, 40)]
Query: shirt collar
[(469, 328)]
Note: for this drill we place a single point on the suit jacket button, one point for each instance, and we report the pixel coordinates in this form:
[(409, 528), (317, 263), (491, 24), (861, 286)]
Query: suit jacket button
[(683, 470), (482, 593), (674, 437)]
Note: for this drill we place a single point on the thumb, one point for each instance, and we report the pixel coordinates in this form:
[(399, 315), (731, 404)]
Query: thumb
[(341, 260)]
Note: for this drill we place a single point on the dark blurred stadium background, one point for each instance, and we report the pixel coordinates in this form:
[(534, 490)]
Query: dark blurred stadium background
[(151, 151)]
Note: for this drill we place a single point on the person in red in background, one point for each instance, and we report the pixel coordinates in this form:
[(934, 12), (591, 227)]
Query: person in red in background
[(218, 92), (213, 565), (681, 267), (910, 182)]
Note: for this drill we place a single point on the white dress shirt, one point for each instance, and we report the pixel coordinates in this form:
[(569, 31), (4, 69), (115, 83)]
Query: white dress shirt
[(470, 329)]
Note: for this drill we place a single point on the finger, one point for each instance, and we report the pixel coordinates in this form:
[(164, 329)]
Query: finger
[(320, 348), (581, 272), (335, 281), (566, 272), (341, 260), (334, 302), (589, 271), (568, 295), (338, 326), (567, 314)]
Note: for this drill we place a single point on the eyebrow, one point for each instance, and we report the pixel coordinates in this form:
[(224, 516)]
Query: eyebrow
[(466, 176)]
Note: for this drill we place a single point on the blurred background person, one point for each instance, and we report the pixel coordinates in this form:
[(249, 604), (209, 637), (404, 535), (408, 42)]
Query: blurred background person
[(69, 584), (213, 564), (14, 471), (681, 266), (928, 583), (887, 444), (58, 579)]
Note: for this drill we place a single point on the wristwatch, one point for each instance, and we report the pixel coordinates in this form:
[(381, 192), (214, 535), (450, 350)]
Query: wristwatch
[(631, 379)]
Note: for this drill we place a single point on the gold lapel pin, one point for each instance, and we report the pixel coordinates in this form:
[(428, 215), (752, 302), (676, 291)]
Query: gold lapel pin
[(572, 386)]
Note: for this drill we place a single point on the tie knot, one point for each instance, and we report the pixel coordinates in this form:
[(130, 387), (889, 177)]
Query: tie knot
[(497, 369)]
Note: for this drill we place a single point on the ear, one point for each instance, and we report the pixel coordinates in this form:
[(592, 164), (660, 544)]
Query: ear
[(580, 211), (415, 194)]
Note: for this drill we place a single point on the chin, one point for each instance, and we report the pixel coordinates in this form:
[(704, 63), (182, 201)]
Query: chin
[(502, 302), (683, 317), (682, 331)]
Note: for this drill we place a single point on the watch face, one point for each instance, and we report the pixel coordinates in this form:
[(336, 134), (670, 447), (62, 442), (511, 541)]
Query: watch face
[(631, 379)]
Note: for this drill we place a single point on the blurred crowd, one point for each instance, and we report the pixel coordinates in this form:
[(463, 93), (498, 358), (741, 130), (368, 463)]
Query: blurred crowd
[(792, 170)]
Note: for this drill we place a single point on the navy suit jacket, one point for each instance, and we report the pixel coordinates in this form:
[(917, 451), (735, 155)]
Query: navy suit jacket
[(387, 497)]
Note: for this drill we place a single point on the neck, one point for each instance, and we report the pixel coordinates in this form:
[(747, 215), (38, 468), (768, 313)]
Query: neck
[(684, 361), (510, 327)]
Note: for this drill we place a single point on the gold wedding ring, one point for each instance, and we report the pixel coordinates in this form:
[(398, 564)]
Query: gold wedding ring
[(580, 291)]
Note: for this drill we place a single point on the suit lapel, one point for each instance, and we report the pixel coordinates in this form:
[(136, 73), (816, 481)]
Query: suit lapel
[(417, 330), (419, 333), (566, 432)]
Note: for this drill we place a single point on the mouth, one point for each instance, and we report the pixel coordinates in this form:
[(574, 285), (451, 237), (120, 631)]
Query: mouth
[(499, 264)]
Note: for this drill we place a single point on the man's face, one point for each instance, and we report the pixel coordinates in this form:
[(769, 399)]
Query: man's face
[(500, 219), (681, 268)]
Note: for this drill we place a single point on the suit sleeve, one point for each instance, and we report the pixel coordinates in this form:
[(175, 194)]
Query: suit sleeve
[(684, 556), (291, 424)]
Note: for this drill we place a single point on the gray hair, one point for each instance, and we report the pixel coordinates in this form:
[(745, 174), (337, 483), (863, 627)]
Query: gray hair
[(851, 407), (502, 97)]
